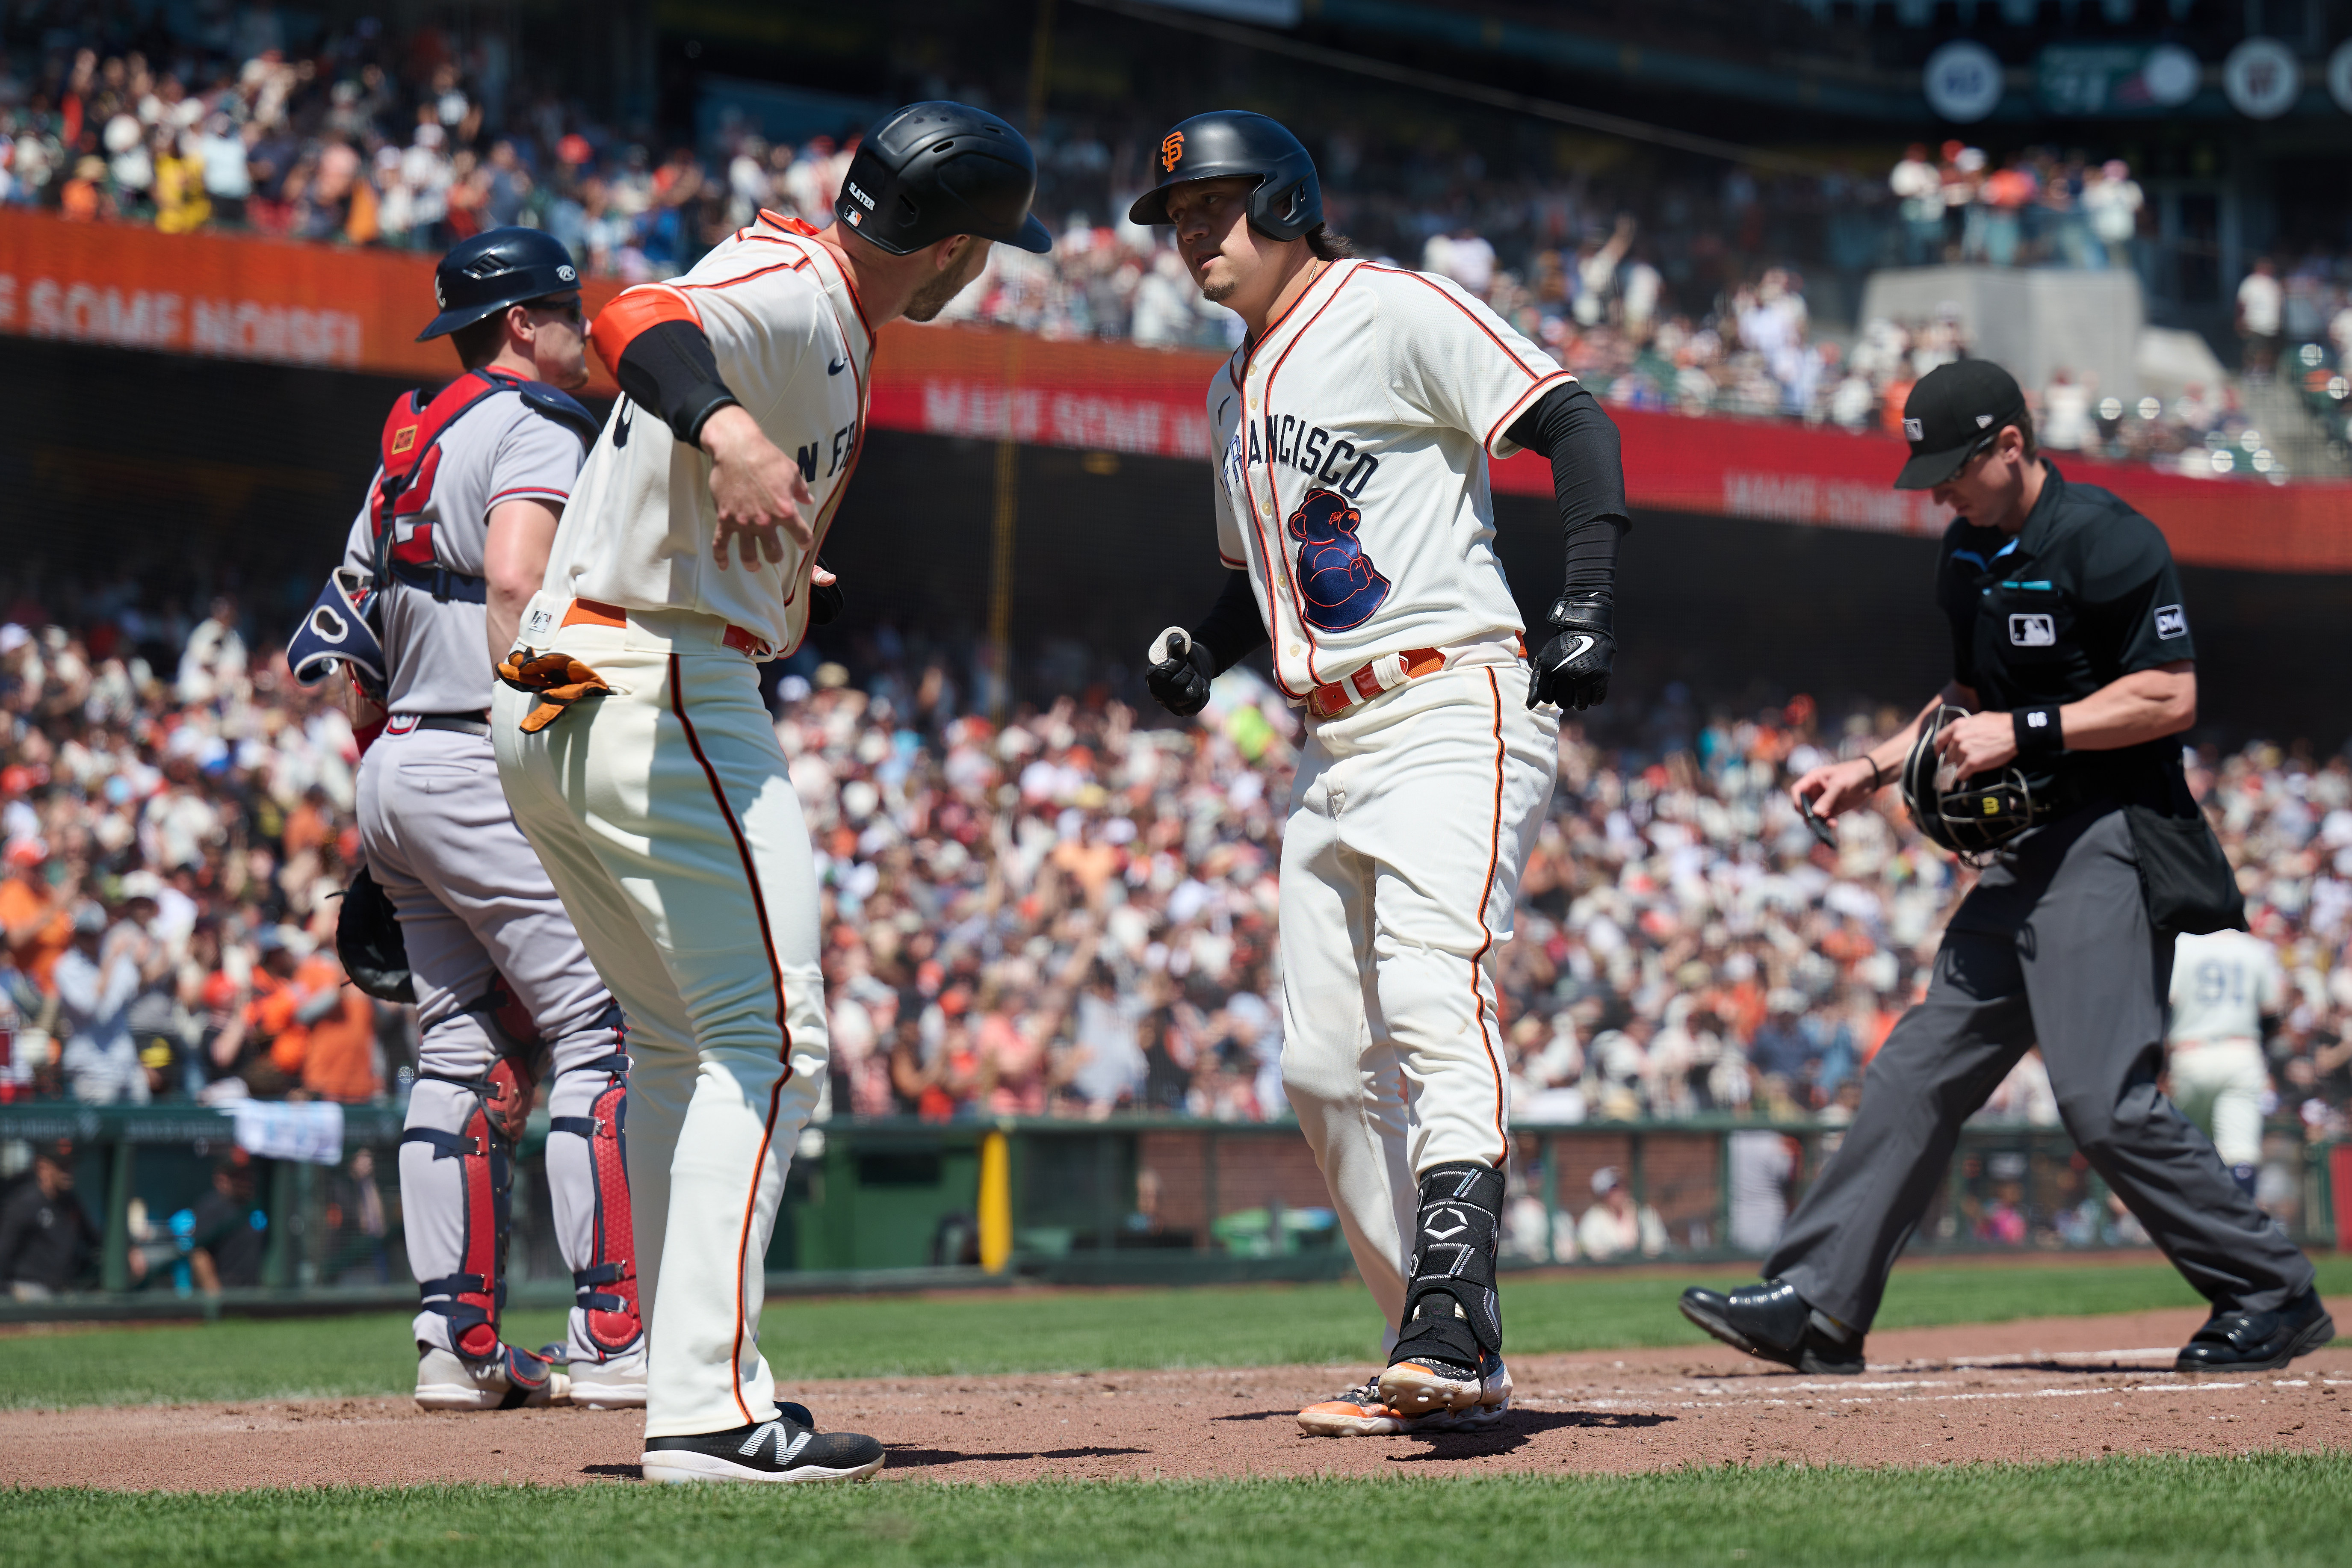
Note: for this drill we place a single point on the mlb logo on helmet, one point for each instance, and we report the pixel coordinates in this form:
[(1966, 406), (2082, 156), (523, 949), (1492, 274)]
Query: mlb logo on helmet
[(1172, 150)]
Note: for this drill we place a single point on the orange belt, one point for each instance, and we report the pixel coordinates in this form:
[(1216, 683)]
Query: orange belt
[(588, 611), (1335, 697)]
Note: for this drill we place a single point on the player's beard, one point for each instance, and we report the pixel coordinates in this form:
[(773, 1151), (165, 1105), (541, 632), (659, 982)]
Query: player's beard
[(933, 296)]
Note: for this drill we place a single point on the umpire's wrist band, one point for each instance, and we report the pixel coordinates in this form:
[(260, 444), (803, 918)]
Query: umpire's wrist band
[(2038, 732)]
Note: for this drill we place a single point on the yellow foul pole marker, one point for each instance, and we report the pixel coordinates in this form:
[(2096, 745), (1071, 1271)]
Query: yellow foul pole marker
[(995, 1202)]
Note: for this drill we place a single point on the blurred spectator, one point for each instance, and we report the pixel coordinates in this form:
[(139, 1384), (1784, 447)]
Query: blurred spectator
[(49, 1244), (2112, 202), (98, 978), (1612, 1226), (2260, 317), (229, 1236)]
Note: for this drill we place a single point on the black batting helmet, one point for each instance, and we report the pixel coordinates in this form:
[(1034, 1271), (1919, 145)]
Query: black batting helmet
[(497, 268), (1288, 200), (931, 170), (1973, 817)]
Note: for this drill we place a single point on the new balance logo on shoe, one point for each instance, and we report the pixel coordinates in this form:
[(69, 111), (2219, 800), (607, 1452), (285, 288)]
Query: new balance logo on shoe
[(785, 1452)]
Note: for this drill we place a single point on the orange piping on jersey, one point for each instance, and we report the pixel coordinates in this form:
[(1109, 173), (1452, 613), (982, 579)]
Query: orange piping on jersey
[(619, 323), (762, 272), (1527, 400), (1506, 348), (1485, 896), (856, 450), (784, 1020), (1281, 359)]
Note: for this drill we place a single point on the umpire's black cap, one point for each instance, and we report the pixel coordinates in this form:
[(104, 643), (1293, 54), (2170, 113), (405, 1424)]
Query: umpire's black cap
[(931, 170), (497, 268), (1954, 410)]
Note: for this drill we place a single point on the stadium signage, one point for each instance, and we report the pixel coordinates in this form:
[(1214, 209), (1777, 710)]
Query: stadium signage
[(327, 306), (127, 287)]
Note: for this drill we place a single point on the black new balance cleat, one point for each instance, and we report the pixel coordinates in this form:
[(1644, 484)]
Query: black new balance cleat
[(2258, 1341), (1772, 1321), (781, 1450)]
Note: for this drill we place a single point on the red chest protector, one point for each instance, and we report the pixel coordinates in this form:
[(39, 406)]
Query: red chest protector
[(410, 454)]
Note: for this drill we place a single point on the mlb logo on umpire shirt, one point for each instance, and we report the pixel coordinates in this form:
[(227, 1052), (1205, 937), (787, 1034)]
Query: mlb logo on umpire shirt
[(2171, 621), (2033, 631)]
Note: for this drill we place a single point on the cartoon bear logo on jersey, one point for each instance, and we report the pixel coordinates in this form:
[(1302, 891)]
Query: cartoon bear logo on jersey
[(1338, 582)]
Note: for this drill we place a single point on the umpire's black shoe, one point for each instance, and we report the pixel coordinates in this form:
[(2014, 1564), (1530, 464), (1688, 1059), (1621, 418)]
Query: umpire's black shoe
[(1774, 1322), (2258, 1341), (784, 1449)]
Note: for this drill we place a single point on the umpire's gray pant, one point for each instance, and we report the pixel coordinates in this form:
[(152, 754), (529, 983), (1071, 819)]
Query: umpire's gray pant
[(2053, 946)]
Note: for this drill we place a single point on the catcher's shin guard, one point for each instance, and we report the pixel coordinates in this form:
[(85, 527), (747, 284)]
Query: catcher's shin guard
[(1453, 1317), (598, 1241), (490, 1112)]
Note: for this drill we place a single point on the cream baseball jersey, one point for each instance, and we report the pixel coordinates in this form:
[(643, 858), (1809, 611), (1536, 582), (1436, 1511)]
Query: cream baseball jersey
[(1353, 437), (2222, 983), (793, 345)]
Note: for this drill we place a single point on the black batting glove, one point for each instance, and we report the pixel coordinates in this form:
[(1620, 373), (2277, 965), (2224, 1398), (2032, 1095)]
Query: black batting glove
[(1572, 669), (824, 599), (1180, 672)]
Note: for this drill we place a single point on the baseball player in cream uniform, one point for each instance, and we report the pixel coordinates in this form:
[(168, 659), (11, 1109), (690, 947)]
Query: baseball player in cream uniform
[(644, 766), (2224, 984), (1353, 430), (454, 533)]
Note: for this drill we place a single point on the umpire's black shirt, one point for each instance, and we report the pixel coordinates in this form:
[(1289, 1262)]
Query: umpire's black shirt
[(2083, 594)]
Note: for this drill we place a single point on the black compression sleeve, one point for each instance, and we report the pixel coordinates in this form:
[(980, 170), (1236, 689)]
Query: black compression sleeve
[(670, 368), (1233, 628), (1588, 479)]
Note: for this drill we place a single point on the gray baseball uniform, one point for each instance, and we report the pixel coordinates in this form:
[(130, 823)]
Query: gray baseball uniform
[(495, 959)]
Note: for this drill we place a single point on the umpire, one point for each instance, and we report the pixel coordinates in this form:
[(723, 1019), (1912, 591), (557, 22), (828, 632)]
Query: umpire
[(2048, 761)]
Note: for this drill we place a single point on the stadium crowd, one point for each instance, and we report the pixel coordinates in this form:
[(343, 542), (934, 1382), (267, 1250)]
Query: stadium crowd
[(1067, 913), (1671, 293)]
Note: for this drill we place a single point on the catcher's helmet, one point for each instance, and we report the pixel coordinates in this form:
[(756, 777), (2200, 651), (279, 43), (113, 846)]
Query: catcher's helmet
[(1973, 817), (497, 268), (931, 170), (1288, 200)]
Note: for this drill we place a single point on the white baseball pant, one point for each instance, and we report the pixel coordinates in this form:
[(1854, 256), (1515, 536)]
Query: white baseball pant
[(1410, 820), (2219, 1085), (665, 815)]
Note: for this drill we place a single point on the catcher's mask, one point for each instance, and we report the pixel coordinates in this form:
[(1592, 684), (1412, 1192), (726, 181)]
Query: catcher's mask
[(1973, 817)]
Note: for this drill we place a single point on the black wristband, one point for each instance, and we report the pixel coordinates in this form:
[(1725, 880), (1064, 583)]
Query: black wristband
[(2038, 732)]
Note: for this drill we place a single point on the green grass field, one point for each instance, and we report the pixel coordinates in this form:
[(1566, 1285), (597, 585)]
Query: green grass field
[(2141, 1512), (1029, 1331)]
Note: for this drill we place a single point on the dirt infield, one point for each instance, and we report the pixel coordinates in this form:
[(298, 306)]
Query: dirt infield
[(2047, 1389)]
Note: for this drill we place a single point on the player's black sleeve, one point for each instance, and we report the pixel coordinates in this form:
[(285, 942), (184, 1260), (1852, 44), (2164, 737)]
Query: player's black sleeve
[(670, 368), (1233, 628), (1588, 482)]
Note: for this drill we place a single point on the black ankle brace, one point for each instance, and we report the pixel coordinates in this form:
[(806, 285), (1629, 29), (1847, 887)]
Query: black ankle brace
[(1451, 1308)]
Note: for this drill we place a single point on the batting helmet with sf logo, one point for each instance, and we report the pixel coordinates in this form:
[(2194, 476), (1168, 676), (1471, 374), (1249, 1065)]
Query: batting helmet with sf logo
[(1229, 142)]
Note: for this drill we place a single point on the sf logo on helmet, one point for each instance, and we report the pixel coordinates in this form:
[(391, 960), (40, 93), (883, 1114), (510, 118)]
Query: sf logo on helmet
[(1172, 150)]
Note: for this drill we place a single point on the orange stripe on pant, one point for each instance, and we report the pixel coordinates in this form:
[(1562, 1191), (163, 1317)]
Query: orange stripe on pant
[(1485, 896), (784, 1024)]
